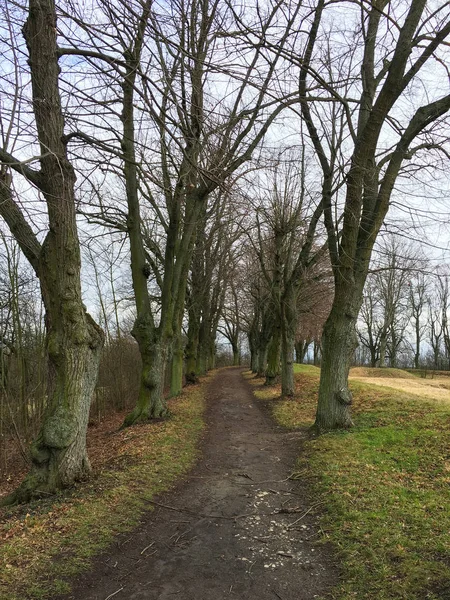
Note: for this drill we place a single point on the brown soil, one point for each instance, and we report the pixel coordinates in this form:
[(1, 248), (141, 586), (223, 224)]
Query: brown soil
[(238, 527)]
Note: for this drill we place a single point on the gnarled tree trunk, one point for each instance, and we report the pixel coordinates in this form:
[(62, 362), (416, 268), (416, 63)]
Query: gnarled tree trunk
[(74, 340), (339, 342), (154, 351)]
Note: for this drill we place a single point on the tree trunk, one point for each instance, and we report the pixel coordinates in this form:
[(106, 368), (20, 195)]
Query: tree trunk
[(287, 365), (316, 353), (176, 366), (262, 360), (74, 340), (288, 323), (59, 455), (339, 342), (273, 358), (211, 361), (151, 403), (300, 350), (383, 345), (236, 356), (417, 352), (263, 344), (203, 347), (254, 359), (192, 347), (373, 357)]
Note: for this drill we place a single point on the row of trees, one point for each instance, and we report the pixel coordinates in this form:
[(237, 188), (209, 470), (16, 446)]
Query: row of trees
[(153, 121), (403, 318)]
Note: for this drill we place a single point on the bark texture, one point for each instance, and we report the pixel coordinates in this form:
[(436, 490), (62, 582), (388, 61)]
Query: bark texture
[(339, 344), (273, 358)]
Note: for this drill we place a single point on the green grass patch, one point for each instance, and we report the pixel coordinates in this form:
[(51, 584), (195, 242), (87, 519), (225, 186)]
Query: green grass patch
[(44, 544), (386, 489)]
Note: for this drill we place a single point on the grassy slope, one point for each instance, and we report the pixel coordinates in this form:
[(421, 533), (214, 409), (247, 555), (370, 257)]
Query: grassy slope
[(385, 487), (45, 543)]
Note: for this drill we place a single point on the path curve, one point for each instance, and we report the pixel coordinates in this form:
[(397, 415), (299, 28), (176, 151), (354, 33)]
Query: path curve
[(236, 528)]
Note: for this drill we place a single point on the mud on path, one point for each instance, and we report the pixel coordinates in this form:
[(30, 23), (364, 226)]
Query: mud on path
[(236, 528)]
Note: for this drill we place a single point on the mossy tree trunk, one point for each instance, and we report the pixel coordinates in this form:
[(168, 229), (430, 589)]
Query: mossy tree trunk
[(339, 342), (262, 360), (152, 342), (316, 353), (288, 324), (177, 365), (301, 346), (177, 357), (265, 335), (203, 345), (74, 341), (192, 341), (252, 336), (151, 403), (273, 357), (254, 359)]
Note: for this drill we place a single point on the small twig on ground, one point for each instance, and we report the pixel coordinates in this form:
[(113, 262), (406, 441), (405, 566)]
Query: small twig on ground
[(261, 539), (288, 511), (147, 547), (114, 593), (244, 475), (191, 512), (249, 572), (178, 521), (270, 481), (297, 475), (305, 513)]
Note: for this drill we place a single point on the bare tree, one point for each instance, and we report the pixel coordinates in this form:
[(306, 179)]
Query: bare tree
[(202, 137), (418, 292), (394, 295), (368, 87), (286, 223), (369, 332), (74, 340), (437, 308)]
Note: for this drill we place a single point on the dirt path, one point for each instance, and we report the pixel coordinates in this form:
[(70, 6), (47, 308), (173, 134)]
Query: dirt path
[(237, 527)]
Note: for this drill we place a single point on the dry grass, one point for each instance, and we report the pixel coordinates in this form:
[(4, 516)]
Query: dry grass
[(427, 389), (384, 373)]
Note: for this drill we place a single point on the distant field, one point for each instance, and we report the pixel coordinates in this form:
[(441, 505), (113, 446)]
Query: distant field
[(434, 389), (437, 388), (384, 372)]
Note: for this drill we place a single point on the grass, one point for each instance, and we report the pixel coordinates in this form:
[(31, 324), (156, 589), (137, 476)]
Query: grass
[(384, 372), (46, 543), (386, 488)]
